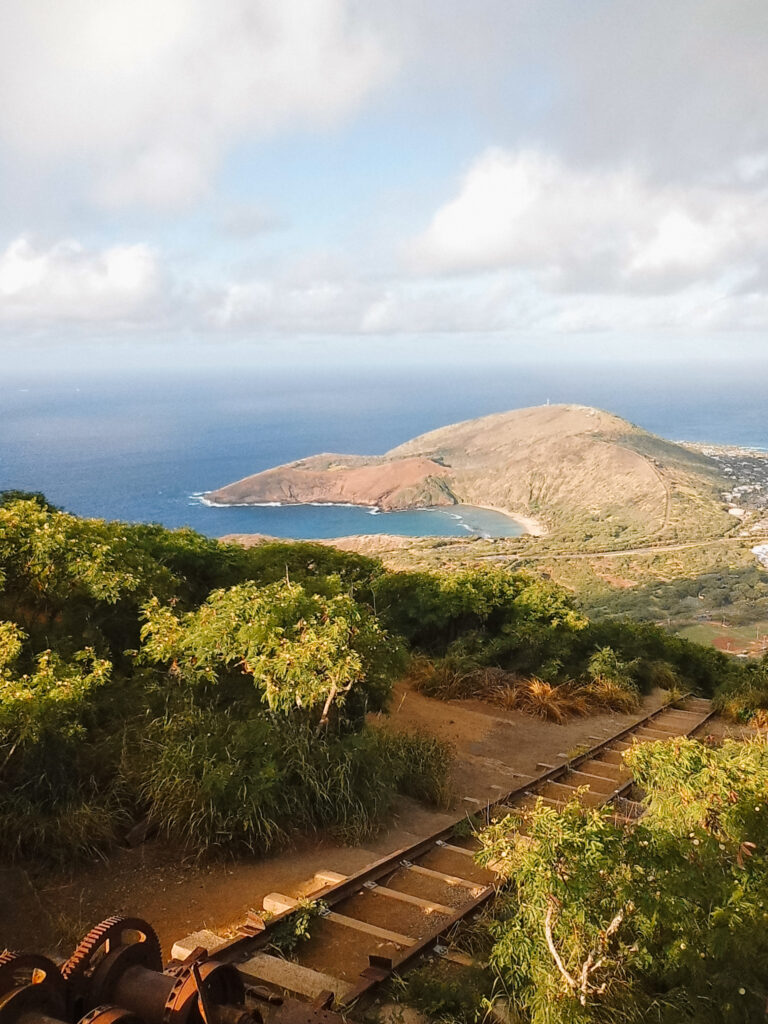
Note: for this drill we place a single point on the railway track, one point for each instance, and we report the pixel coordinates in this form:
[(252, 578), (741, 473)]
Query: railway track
[(371, 924), (381, 919)]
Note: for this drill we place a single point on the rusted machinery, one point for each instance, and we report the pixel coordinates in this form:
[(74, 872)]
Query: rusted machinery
[(116, 976)]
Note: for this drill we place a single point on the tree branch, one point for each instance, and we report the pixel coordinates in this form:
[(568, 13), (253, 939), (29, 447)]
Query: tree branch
[(327, 706), (551, 945), (583, 986)]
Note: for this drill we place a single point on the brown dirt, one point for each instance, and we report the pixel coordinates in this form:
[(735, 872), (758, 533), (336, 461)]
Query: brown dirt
[(388, 484), (179, 896), (615, 581), (719, 729)]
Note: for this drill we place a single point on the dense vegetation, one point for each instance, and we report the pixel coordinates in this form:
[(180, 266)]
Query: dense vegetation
[(220, 693), (521, 642), (664, 919), (718, 582), (217, 691)]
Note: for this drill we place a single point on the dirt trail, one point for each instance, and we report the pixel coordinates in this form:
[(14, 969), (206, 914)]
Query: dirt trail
[(179, 896)]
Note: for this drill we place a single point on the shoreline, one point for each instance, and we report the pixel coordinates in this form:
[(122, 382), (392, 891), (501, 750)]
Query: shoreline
[(530, 526)]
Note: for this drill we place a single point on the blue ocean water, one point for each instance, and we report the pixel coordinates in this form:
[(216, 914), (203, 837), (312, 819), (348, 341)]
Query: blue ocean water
[(139, 446)]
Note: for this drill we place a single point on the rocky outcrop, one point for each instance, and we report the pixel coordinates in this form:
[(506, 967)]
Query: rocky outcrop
[(579, 471), (389, 484)]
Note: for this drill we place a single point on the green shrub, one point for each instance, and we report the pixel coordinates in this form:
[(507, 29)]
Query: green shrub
[(664, 920), (745, 698), (213, 779), (420, 765), (447, 993)]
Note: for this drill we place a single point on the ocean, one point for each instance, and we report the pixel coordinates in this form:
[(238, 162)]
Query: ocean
[(142, 446)]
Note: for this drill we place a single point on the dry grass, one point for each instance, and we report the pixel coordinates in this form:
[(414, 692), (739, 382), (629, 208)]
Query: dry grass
[(606, 695), (446, 680), (533, 696), (541, 699)]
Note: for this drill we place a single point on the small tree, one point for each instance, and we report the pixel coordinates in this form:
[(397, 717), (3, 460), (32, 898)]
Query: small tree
[(302, 652), (663, 920)]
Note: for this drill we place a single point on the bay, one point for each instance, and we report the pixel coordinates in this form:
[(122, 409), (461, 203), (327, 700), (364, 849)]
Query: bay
[(140, 446)]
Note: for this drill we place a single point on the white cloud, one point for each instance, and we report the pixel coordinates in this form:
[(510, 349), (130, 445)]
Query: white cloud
[(592, 230), (677, 87), (246, 220), (147, 97), (315, 305), (66, 282)]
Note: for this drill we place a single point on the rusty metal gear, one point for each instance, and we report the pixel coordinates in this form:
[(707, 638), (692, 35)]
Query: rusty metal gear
[(110, 933), (110, 1015), (222, 985), (17, 969), (30, 985), (102, 941)]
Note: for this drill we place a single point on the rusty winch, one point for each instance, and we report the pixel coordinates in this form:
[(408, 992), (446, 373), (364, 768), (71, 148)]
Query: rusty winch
[(116, 976)]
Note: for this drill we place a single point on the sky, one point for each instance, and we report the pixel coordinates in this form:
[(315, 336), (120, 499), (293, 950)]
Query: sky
[(392, 177)]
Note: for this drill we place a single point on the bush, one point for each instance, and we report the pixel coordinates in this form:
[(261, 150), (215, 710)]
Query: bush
[(493, 615), (419, 764), (232, 717), (211, 779), (663, 920), (305, 653), (745, 699), (447, 993), (606, 695)]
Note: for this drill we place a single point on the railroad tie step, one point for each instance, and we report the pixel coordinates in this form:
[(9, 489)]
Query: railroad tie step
[(606, 771), (450, 848), (532, 798), (567, 791), (429, 906), (325, 878), (207, 939), (384, 934), (279, 903), (612, 757), (612, 781), (442, 876), (291, 977)]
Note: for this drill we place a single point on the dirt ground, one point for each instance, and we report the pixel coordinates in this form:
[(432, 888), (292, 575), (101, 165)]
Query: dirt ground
[(495, 750)]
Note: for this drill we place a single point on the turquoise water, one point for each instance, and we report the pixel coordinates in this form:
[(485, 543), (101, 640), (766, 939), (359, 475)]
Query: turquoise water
[(139, 447), (344, 520)]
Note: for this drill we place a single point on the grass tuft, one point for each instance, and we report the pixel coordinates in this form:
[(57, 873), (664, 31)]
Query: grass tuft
[(607, 695)]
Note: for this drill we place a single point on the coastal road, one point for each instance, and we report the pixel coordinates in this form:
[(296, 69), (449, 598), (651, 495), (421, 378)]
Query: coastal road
[(649, 550)]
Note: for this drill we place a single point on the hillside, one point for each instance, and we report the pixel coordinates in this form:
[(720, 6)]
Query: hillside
[(582, 473)]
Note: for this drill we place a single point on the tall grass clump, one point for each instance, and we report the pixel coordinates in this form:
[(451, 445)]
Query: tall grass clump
[(419, 765), (84, 825), (209, 780), (606, 695)]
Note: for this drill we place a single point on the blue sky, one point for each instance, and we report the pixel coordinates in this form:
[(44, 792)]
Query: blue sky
[(394, 179)]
